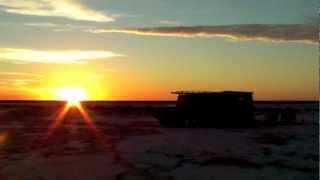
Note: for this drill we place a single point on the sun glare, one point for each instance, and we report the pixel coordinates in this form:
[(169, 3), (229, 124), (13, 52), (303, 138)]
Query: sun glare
[(72, 95)]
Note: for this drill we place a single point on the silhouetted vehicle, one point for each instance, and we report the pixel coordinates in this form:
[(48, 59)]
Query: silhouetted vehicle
[(209, 109)]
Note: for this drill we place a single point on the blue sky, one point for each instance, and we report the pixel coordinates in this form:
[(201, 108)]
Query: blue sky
[(189, 12)]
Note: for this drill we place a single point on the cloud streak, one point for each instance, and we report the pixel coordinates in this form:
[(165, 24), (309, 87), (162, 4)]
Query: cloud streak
[(22, 74), (58, 27), (307, 33), (70, 9), (49, 56), (18, 82)]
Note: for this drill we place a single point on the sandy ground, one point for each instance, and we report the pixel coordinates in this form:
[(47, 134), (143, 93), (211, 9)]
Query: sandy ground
[(134, 146)]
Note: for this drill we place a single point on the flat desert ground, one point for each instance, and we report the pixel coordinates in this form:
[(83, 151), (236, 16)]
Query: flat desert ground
[(130, 144)]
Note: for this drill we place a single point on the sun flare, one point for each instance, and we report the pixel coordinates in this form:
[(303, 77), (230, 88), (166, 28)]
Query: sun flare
[(72, 95)]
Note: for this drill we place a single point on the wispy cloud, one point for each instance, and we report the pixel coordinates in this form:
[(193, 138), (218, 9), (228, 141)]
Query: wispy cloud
[(307, 33), (50, 56), (18, 82), (58, 27), (22, 74), (71, 9), (41, 24), (170, 22), (19, 78)]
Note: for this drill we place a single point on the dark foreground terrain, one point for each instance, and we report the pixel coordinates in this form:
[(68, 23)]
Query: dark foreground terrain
[(128, 143)]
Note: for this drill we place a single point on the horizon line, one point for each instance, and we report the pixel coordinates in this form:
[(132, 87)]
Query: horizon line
[(148, 100)]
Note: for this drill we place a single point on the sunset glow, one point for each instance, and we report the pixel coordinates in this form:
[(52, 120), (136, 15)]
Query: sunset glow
[(159, 89), (50, 56), (114, 53), (72, 95)]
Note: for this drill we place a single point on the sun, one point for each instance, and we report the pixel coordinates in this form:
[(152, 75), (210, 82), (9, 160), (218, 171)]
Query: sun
[(72, 95)]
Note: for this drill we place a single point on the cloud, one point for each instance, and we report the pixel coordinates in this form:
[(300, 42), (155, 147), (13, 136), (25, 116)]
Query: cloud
[(18, 82), (58, 27), (50, 56), (19, 78), (41, 24), (307, 33), (22, 74), (70, 9), (169, 22)]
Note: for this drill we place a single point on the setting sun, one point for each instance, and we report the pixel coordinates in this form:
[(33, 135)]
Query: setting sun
[(72, 95)]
